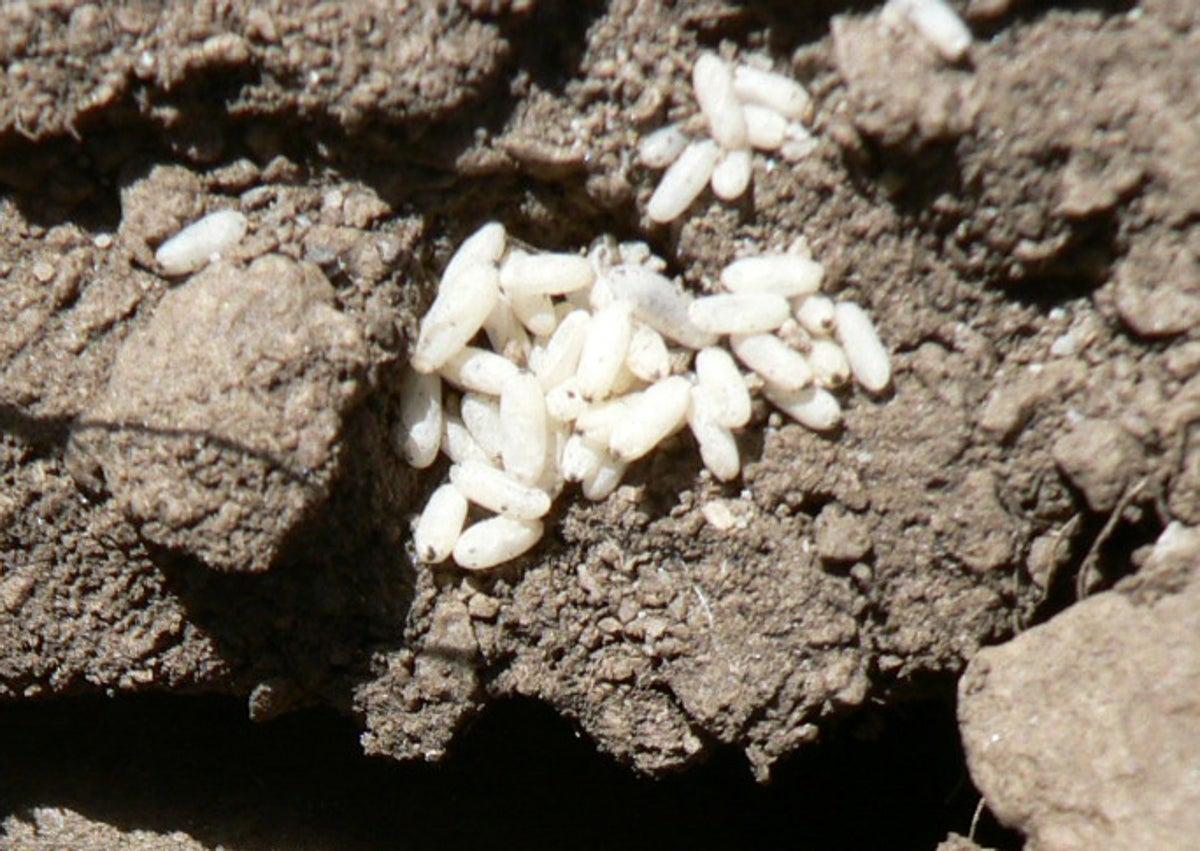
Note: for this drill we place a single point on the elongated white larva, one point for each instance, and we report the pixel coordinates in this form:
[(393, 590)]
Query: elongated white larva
[(774, 91), (815, 315), (657, 301), (535, 311), (774, 360), (523, 428), (718, 449), (479, 370), (481, 415), (506, 333), (683, 181), (482, 248), (662, 147), (712, 79), (937, 22), (440, 524), (545, 274), (798, 142), (455, 316), (724, 387), (564, 402), (604, 350), (197, 244), (458, 444), (605, 479), (829, 364), (497, 491), (494, 541), (598, 422), (653, 414), (731, 176), (785, 275), (812, 407), (560, 359), (648, 357), (739, 313), (765, 128), (626, 382), (581, 458), (868, 358), (419, 432)]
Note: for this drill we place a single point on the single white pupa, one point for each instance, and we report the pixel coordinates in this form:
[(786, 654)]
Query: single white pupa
[(605, 479), (560, 358), (766, 129), (440, 524), (565, 402), (482, 248), (626, 382), (739, 313), (816, 315), (718, 448), (712, 79), (683, 181), (458, 445), (773, 91), (937, 22), (812, 407), (724, 386), (545, 274), (648, 357), (798, 142), (599, 420), (506, 333), (794, 334), (201, 241), (657, 301), (456, 315), (479, 370), (497, 491), (829, 364), (523, 428), (496, 540), (481, 415), (860, 341), (419, 431), (786, 275), (581, 458), (774, 360), (662, 147), (731, 175), (535, 311), (653, 414), (604, 350)]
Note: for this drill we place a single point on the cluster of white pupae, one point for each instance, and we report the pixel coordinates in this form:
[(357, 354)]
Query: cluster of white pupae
[(591, 362), (746, 109)]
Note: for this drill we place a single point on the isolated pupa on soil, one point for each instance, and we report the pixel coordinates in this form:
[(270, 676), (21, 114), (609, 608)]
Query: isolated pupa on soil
[(199, 242)]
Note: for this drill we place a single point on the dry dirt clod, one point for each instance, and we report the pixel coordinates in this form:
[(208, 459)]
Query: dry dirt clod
[(216, 432), (1084, 732), (1101, 459)]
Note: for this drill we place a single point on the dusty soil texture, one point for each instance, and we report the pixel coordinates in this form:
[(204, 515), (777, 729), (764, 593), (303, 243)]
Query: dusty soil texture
[(181, 515), (1084, 732)]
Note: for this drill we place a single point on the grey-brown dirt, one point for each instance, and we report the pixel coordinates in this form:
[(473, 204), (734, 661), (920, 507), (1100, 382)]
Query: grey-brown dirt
[(184, 513)]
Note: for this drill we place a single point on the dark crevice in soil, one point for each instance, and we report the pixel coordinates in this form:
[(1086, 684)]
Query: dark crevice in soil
[(1103, 552), (892, 779)]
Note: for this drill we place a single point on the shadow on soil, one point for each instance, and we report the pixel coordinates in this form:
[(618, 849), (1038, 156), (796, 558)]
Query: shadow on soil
[(521, 778)]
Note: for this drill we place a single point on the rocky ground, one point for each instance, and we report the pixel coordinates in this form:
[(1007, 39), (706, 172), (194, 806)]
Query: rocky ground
[(200, 494)]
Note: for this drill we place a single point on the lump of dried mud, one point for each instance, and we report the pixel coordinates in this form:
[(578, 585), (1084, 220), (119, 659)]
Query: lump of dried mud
[(1085, 732), (217, 432)]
